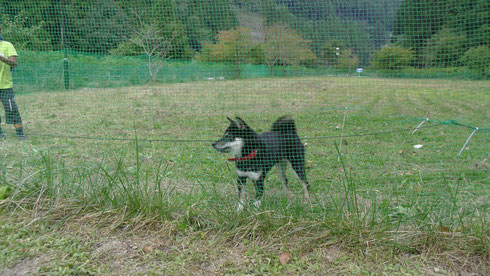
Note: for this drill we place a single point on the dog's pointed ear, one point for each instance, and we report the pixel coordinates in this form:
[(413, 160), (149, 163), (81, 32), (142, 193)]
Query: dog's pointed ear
[(241, 123), (231, 121)]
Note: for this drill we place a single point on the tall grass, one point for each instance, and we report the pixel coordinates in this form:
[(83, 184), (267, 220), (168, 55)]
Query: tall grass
[(128, 186)]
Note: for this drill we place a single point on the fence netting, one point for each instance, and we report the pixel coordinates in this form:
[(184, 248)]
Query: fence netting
[(384, 94)]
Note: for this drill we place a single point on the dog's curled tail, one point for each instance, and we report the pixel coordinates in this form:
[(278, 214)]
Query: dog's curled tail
[(284, 125)]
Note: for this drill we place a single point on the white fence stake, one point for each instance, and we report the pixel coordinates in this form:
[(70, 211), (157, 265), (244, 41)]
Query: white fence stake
[(471, 135), (426, 120)]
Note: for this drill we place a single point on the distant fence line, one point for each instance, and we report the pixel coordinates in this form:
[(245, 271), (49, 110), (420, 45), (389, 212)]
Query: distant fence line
[(39, 71)]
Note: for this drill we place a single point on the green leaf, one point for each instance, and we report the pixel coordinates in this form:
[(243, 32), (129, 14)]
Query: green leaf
[(4, 192)]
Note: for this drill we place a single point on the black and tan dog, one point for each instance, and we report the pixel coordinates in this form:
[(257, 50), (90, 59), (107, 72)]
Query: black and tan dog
[(255, 154)]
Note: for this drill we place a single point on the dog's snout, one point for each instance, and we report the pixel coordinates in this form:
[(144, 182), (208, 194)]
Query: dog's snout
[(215, 145)]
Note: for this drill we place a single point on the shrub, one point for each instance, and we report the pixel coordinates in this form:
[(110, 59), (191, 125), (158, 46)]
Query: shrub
[(446, 48), (478, 59), (329, 52), (347, 60), (392, 58), (126, 48)]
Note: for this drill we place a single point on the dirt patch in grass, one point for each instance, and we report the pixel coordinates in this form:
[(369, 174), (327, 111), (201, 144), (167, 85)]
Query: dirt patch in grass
[(92, 245), (26, 266)]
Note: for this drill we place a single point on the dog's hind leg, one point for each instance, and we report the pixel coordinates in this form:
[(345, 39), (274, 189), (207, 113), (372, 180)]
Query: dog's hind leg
[(281, 171), (299, 171), (242, 180)]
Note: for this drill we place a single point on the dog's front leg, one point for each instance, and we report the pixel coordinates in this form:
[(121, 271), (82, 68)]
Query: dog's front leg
[(259, 191), (242, 180)]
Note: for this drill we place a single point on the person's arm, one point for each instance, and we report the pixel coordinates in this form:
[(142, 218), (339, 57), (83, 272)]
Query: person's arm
[(11, 61)]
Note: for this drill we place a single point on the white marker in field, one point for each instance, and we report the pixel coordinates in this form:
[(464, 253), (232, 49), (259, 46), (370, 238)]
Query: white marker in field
[(468, 140)]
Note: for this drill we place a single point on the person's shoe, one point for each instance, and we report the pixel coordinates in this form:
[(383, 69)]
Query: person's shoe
[(22, 137)]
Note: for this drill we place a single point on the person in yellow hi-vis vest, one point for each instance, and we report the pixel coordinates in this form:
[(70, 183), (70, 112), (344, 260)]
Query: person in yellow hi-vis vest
[(8, 60)]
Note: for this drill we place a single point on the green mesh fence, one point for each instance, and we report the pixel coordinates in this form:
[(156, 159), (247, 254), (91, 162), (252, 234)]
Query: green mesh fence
[(122, 100), (385, 38)]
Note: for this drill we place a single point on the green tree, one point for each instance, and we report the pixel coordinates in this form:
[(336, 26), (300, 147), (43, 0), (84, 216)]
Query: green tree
[(416, 22), (392, 58), (354, 35), (364, 25), (24, 37), (163, 18), (478, 59), (274, 13), (425, 26), (282, 45), (204, 19), (155, 46), (347, 60), (330, 51), (232, 46), (95, 26), (336, 54), (445, 48)]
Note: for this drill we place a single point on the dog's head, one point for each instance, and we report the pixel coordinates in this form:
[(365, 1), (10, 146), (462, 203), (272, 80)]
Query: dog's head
[(234, 138)]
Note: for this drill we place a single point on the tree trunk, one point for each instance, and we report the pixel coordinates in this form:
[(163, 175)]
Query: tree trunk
[(237, 69), (150, 69)]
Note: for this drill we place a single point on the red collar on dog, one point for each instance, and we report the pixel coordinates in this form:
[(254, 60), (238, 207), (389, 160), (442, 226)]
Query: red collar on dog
[(248, 157)]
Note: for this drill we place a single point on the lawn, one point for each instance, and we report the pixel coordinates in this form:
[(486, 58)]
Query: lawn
[(129, 173)]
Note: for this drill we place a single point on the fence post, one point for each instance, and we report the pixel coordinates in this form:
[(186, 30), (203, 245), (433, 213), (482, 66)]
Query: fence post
[(464, 146), (426, 120), (66, 69)]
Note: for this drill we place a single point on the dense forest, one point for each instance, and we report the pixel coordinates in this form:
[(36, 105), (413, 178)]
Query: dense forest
[(102, 26), (434, 34), (442, 32)]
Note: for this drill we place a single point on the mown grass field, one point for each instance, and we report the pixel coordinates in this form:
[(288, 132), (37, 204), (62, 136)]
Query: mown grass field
[(124, 180)]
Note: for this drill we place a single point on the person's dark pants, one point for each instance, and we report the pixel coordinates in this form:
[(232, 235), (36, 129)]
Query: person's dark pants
[(12, 115)]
